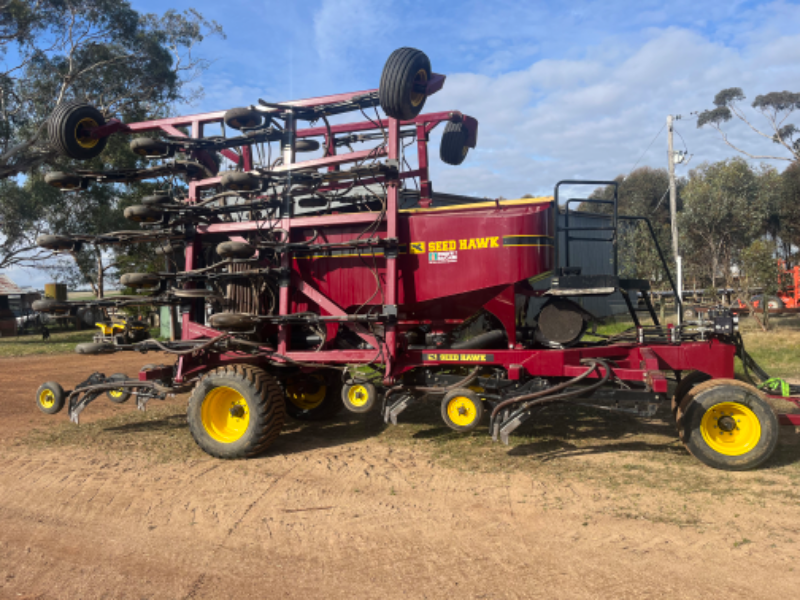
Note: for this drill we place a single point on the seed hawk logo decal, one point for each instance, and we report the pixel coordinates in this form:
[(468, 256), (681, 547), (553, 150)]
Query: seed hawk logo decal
[(418, 248)]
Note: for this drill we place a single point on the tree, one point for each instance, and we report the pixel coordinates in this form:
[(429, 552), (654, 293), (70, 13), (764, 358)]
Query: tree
[(642, 193), (760, 269), (100, 51), (129, 65), (775, 107), (724, 211)]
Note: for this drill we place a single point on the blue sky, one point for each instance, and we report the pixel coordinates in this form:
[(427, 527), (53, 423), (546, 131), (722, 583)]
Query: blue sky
[(561, 90)]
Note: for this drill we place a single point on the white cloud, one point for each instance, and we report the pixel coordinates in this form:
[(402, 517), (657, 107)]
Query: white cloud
[(594, 117)]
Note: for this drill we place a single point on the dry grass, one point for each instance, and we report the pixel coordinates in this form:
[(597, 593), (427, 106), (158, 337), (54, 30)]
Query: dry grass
[(30, 345)]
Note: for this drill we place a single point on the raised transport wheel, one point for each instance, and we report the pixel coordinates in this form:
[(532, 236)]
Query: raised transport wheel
[(238, 181), (312, 397), (140, 213), (453, 149), (151, 148), (236, 411), (63, 181), (194, 293), (122, 394), (462, 410), (689, 380), (728, 425), (50, 397), (243, 118), (139, 280), (55, 242), (402, 89), (235, 250), (359, 397), (69, 129)]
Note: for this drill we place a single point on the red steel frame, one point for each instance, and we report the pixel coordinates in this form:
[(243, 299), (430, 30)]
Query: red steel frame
[(632, 362)]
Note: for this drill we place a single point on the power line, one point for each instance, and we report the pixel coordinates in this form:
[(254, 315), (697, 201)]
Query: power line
[(648, 148)]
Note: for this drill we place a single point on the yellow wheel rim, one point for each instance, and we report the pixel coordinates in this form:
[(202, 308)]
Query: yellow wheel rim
[(225, 415), (306, 391), (82, 136), (730, 428), (461, 411), (47, 399), (358, 395), (116, 393), (421, 78)]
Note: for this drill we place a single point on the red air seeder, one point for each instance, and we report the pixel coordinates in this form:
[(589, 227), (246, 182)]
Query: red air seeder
[(345, 280)]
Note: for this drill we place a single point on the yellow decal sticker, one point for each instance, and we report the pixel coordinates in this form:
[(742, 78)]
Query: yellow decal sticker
[(450, 245), (470, 358)]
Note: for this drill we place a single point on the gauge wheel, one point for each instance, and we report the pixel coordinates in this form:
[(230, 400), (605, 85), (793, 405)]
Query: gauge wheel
[(306, 145), (55, 242), (312, 396), (236, 411), (50, 306), (139, 280), (728, 425), (238, 181), (462, 410), (150, 148), (235, 250), (233, 321), (65, 182), (140, 213), (359, 397), (402, 90), (69, 129), (243, 118), (50, 397), (689, 380), (120, 395), (453, 149)]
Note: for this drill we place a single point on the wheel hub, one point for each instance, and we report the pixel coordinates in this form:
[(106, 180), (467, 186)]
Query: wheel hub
[(727, 423)]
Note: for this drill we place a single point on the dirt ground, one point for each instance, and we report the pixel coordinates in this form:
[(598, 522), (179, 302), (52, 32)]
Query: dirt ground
[(580, 505)]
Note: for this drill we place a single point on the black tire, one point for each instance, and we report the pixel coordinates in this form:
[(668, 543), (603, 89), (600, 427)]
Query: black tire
[(157, 200), (773, 302), (140, 280), (95, 348), (232, 321), (121, 395), (50, 397), (144, 214), (253, 428), (235, 250), (55, 242), (243, 118), (151, 148), (312, 396), (688, 382), (50, 306), (306, 145), (359, 397), (462, 410), (405, 69), (453, 149), (238, 181), (67, 130), (728, 425), (64, 181)]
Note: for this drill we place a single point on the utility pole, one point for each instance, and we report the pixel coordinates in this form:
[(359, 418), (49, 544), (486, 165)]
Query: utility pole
[(673, 209)]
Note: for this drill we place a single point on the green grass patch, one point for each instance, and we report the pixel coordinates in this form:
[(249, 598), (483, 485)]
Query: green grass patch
[(60, 342)]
